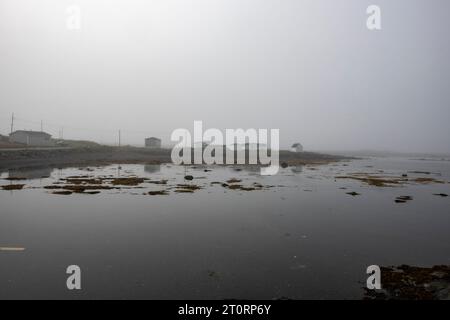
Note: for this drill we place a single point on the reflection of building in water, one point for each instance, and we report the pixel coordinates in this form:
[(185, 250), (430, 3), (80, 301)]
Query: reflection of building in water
[(152, 168), (297, 169), (36, 173), (249, 169)]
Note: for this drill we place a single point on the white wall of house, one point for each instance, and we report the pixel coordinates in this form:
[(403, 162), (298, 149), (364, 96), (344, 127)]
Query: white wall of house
[(31, 139)]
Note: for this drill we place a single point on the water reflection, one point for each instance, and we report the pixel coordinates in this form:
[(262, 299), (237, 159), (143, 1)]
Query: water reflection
[(152, 168), (30, 174), (297, 169), (224, 239)]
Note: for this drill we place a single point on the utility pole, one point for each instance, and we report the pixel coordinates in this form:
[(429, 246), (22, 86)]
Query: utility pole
[(12, 123), (42, 126), (119, 138)]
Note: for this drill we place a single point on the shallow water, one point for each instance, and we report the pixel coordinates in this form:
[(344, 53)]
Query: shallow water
[(301, 236)]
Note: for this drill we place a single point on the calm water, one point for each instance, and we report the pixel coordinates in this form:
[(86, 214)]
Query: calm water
[(300, 237)]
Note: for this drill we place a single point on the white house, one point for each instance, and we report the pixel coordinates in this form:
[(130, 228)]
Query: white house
[(31, 138), (297, 147)]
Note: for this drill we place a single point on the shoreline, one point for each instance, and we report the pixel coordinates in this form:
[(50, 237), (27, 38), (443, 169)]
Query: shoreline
[(66, 157)]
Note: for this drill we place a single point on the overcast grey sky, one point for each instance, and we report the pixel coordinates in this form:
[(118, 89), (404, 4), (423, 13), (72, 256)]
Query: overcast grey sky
[(310, 68)]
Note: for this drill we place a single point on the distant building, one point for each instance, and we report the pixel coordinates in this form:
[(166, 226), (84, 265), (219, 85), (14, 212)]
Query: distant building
[(297, 147), (31, 138), (153, 142)]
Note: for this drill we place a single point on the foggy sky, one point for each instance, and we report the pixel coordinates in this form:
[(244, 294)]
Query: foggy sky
[(310, 68)]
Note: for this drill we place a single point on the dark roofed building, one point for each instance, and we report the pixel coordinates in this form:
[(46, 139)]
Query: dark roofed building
[(153, 142)]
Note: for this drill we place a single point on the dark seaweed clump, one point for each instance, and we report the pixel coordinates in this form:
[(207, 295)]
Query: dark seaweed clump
[(413, 283)]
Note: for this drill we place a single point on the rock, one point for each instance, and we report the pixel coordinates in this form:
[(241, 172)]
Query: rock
[(184, 191), (192, 187), (62, 193), (405, 198), (158, 193), (13, 187), (441, 194), (133, 181), (188, 177), (241, 188)]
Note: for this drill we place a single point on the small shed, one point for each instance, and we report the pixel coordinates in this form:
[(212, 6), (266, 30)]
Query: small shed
[(153, 142), (297, 147)]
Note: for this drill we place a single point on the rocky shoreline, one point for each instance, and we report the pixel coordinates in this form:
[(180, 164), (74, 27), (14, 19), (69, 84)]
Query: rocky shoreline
[(66, 157)]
